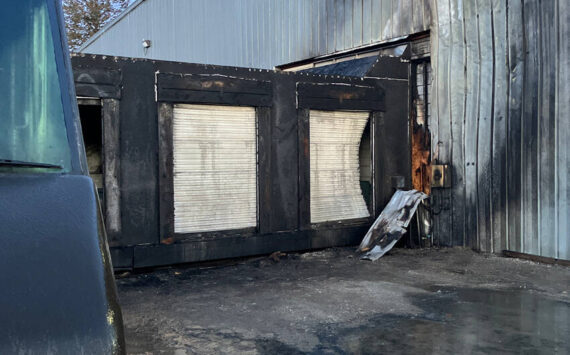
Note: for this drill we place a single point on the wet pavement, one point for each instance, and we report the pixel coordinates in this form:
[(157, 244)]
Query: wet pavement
[(410, 301)]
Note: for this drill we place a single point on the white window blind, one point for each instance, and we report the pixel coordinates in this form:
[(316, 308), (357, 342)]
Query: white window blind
[(334, 159), (215, 168)]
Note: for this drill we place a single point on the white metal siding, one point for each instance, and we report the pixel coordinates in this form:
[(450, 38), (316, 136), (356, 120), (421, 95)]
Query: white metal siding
[(335, 173), (254, 33), (215, 168)]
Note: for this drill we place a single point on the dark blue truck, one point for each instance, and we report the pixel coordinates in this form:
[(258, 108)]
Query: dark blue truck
[(57, 291)]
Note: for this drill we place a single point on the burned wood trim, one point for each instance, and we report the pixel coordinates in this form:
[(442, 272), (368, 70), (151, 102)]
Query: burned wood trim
[(112, 167), (98, 83), (324, 96), (377, 122), (304, 169), (90, 101), (373, 154), (239, 245), (165, 172), (212, 235), (213, 89), (264, 169), (342, 223)]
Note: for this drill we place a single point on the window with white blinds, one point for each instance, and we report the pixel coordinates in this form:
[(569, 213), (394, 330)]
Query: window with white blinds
[(215, 168), (335, 138)]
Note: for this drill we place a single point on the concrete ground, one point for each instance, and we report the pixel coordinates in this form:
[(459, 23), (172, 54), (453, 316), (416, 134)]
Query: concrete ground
[(410, 301)]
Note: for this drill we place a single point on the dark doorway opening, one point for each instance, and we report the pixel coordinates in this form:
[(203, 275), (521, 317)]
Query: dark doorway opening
[(92, 129)]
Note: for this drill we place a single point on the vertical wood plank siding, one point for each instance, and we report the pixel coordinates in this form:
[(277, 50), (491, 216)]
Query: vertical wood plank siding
[(501, 71)]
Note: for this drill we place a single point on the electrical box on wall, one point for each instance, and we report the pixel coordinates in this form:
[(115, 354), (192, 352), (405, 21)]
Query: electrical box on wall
[(440, 176)]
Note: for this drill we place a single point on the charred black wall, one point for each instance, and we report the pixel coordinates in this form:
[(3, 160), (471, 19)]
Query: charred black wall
[(135, 90)]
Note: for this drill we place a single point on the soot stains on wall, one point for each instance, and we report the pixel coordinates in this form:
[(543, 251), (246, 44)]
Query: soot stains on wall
[(145, 92)]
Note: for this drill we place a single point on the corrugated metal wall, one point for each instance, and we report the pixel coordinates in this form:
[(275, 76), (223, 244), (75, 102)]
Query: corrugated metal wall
[(255, 33), (501, 119)]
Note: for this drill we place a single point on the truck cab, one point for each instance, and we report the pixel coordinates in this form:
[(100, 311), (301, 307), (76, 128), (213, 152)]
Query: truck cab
[(57, 290)]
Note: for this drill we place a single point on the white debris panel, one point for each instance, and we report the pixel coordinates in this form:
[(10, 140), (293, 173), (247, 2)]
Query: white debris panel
[(391, 224)]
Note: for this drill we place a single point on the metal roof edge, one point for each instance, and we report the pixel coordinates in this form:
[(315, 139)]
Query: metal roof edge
[(350, 52), (112, 23)]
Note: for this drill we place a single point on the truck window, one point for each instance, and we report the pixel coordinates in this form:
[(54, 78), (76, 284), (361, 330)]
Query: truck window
[(32, 124)]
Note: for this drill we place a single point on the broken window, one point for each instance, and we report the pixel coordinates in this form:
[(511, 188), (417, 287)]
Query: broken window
[(340, 165)]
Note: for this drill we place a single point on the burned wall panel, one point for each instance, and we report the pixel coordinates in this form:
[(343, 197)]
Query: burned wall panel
[(145, 154), (284, 160), (514, 75), (112, 168), (139, 143), (392, 164), (420, 135), (441, 131), (484, 120)]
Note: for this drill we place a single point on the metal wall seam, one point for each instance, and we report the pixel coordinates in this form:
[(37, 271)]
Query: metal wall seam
[(514, 124), (546, 130), (484, 125), (442, 154), (457, 112), (529, 129), (471, 112), (405, 14), (563, 129), (499, 141), (236, 33)]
